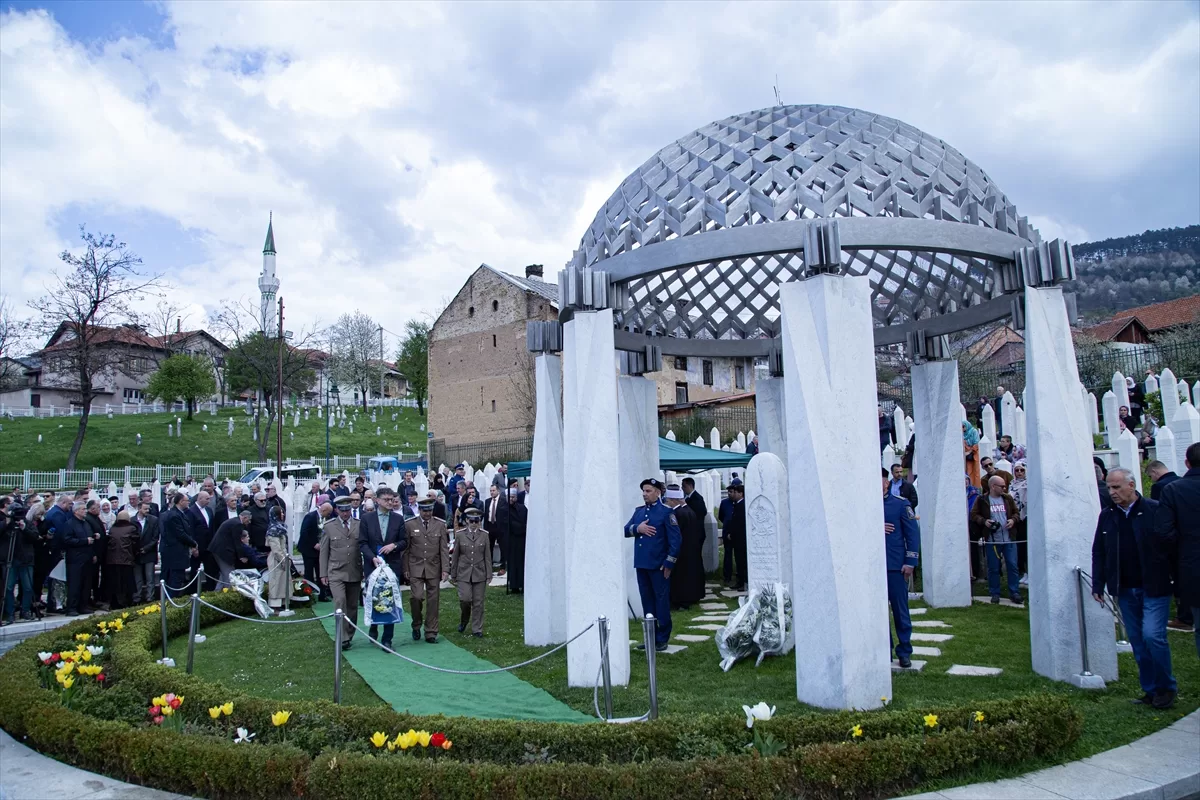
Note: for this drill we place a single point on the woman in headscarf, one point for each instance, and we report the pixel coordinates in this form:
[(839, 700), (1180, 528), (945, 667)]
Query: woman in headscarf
[(279, 582), (1018, 491), (1137, 400), (107, 516), (971, 452)]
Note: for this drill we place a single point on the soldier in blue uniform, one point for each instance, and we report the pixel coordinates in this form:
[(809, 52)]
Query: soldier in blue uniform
[(658, 538), (902, 536)]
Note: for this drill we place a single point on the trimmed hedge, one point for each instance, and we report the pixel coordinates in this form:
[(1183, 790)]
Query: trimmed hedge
[(327, 755)]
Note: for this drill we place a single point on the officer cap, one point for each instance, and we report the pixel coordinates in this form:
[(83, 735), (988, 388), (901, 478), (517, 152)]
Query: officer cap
[(460, 466), (473, 513), (652, 482), (342, 502), (426, 504)]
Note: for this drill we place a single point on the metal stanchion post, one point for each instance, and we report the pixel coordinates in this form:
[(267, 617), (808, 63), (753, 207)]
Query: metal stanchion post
[(338, 616), (648, 626), (162, 613), (604, 668), (1083, 641), (193, 629)]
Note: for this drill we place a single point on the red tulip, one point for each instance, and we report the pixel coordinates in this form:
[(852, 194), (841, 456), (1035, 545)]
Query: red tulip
[(176, 702), (158, 720), (437, 739), (155, 711), (100, 677)]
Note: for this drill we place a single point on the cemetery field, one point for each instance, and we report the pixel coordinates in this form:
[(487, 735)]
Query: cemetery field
[(113, 442), (691, 681)]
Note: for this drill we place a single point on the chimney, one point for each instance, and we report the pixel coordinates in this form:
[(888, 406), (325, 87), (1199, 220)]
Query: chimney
[(534, 271), (178, 324)]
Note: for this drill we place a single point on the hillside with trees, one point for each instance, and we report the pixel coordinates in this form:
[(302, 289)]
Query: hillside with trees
[(1131, 271)]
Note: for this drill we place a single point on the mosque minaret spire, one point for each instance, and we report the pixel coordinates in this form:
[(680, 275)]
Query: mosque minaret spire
[(268, 283)]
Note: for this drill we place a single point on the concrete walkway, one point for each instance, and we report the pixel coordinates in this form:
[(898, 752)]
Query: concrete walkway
[(1161, 766)]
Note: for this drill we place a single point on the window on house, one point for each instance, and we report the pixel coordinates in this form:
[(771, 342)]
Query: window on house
[(680, 394), (493, 406), (495, 305), (35, 401), (134, 395), (681, 363), (739, 377), (708, 375)]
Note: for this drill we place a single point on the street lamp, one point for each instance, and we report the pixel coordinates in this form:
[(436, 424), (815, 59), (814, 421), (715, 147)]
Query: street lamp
[(330, 388)]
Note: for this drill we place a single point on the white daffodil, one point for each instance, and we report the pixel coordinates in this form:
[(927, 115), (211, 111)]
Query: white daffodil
[(760, 712), (44, 656), (95, 650), (243, 735)]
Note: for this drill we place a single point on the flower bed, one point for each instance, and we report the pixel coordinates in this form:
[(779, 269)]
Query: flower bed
[(218, 743)]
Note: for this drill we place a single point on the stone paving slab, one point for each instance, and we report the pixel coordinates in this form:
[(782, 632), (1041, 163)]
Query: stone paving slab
[(706, 627), (691, 637), (927, 651), (932, 637), (1004, 601), (930, 623), (714, 606), (964, 669), (712, 618), (728, 593), (917, 666), (916, 612), (22, 630)]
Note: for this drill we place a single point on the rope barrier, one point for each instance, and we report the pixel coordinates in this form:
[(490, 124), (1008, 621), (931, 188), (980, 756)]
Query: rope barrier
[(204, 602), (195, 577), (474, 671)]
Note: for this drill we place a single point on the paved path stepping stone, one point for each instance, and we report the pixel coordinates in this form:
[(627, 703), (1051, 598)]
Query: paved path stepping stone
[(710, 619), (917, 666), (932, 637), (962, 669), (671, 648), (714, 606), (691, 637), (733, 594), (1004, 601), (916, 612), (926, 651), (915, 596), (929, 623), (706, 627)]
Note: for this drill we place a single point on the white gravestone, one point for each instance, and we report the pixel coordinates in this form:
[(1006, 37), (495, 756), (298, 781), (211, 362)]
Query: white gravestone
[(901, 425), (945, 556), (1120, 389), (170, 431), (714, 438), (1008, 406), (1128, 455), (671, 435), (710, 552), (837, 558), (545, 558), (768, 536), (1019, 431), (296, 419), (1112, 420), (1166, 451), (1186, 427), (989, 423), (1062, 501), (1151, 384), (986, 447), (178, 427), (1185, 394), (699, 441), (1093, 415), (1196, 393), (1170, 399)]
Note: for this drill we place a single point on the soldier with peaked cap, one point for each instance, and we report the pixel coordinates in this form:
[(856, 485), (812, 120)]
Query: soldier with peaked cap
[(341, 566), (655, 552), (428, 563), (471, 570)]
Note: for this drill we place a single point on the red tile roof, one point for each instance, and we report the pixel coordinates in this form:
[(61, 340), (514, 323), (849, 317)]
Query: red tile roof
[(1160, 316), (121, 334), (1107, 331)]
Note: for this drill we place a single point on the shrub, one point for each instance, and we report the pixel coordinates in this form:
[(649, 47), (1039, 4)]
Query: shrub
[(327, 754)]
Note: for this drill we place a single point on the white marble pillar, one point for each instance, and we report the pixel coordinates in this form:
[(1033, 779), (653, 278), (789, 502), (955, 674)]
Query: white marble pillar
[(768, 531), (838, 561), (1120, 389), (768, 412), (637, 418), (945, 560), (1166, 451), (1112, 420), (1008, 407), (593, 518), (989, 423), (1169, 397), (1128, 455), (545, 558), (1186, 427), (1063, 504)]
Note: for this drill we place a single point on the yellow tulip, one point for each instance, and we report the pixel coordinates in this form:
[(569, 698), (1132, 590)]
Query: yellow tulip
[(68, 683), (82, 637), (67, 667), (227, 708), (423, 737), (391, 746), (215, 712), (979, 716), (379, 739), (280, 718), (159, 701), (85, 655), (407, 740), (856, 731), (167, 711), (931, 720), (124, 615)]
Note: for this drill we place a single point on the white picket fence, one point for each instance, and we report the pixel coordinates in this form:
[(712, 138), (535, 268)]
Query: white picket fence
[(211, 407)]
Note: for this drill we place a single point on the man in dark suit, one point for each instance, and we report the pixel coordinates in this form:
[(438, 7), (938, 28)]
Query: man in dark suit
[(898, 487), (309, 544), (382, 539), (225, 545), (177, 544), (200, 514), (514, 521), (147, 496), (1177, 531), (1161, 477), (146, 556), (735, 533), (693, 499), (497, 536)]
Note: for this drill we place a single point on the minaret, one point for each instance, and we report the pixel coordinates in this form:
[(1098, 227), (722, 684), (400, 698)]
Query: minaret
[(268, 284)]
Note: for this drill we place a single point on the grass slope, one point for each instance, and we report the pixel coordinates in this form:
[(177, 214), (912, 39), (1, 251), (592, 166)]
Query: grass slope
[(692, 682), (113, 442)]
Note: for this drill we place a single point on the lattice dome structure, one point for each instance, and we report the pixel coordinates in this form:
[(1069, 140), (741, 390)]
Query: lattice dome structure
[(691, 246)]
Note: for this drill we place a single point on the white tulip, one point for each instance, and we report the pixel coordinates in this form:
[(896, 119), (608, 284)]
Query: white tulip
[(760, 712), (242, 736), (44, 656), (95, 650)]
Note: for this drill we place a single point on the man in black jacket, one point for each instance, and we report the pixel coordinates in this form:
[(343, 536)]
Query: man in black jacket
[(512, 517), (178, 545), (734, 533), (898, 487), (1177, 530), (147, 554), (498, 536), (381, 546), (693, 499), (225, 544), (1126, 562), (309, 544), (200, 515), (1162, 478), (77, 541), (259, 520)]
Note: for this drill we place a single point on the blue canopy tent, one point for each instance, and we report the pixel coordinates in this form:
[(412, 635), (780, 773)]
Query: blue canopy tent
[(675, 456)]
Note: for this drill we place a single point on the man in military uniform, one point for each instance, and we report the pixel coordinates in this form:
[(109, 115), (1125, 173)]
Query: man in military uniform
[(428, 563), (341, 566), (656, 530), (902, 536), (472, 570)]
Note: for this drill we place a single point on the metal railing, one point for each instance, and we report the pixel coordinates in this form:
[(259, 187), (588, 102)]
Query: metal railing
[(477, 454), (698, 423)]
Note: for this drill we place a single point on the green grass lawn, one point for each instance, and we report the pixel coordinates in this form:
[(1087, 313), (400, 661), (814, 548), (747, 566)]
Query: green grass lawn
[(692, 681), (112, 442)]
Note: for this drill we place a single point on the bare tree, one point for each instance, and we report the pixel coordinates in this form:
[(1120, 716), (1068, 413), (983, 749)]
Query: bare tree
[(91, 330), (253, 363), (354, 357), (12, 336), (166, 318)]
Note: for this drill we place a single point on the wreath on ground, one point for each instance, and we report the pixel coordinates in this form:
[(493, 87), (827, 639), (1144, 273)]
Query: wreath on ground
[(90, 693)]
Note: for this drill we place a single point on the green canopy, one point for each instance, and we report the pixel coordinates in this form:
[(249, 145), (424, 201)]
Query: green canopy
[(675, 456)]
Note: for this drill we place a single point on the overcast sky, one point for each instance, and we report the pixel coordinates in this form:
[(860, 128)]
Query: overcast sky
[(399, 145)]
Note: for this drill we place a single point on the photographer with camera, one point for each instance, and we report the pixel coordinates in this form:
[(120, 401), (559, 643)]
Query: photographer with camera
[(993, 517), (17, 543)]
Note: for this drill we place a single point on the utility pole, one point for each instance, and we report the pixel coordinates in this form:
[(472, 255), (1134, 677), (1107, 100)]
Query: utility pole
[(381, 367), (279, 399)]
